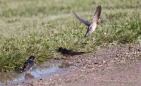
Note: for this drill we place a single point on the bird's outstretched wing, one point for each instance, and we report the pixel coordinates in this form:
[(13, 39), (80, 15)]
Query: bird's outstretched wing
[(97, 14), (81, 19)]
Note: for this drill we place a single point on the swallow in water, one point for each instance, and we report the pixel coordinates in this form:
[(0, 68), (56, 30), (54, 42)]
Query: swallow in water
[(66, 52), (28, 63), (93, 24)]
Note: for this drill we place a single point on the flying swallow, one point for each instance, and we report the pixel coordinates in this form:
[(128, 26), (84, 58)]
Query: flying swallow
[(66, 52), (28, 63), (93, 24)]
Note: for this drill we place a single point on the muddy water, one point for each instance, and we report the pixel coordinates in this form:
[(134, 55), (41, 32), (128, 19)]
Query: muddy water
[(46, 69)]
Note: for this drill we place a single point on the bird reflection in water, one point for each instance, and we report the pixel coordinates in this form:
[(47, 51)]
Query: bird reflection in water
[(28, 76)]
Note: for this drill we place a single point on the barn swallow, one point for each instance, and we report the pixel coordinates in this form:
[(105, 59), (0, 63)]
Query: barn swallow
[(66, 52), (28, 63), (93, 24)]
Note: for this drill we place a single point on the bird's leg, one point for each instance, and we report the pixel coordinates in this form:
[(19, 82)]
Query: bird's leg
[(30, 69)]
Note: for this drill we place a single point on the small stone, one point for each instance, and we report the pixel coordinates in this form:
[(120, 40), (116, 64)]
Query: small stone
[(95, 62)]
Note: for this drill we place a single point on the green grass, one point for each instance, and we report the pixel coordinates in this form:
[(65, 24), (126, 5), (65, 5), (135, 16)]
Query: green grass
[(39, 27)]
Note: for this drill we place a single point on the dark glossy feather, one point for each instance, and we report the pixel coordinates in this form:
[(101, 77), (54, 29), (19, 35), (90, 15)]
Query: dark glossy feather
[(67, 52), (81, 19)]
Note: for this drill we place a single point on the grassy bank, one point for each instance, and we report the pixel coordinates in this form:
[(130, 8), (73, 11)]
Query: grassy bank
[(39, 27)]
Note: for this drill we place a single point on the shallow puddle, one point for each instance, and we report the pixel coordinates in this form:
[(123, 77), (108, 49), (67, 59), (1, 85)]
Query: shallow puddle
[(46, 69)]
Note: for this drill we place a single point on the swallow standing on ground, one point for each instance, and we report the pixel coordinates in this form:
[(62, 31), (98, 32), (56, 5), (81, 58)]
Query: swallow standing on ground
[(93, 24), (28, 63), (66, 52)]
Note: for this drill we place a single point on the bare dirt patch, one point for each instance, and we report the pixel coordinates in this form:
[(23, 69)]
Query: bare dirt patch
[(109, 66)]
